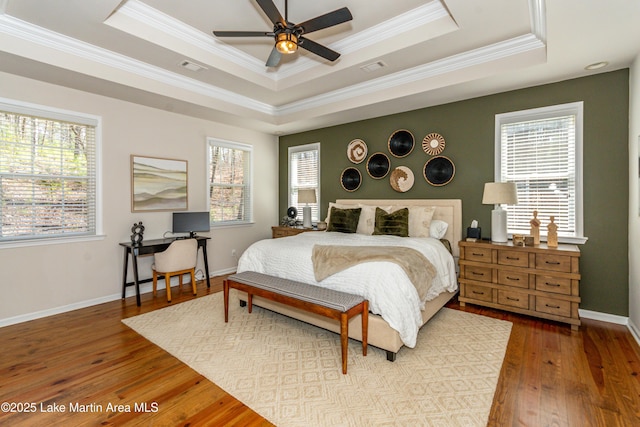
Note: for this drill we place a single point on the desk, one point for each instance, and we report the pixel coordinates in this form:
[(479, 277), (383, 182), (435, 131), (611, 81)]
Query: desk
[(147, 247)]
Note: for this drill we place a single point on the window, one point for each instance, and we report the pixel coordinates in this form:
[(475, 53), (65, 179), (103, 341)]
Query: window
[(230, 190), (541, 151), (48, 171), (304, 173)]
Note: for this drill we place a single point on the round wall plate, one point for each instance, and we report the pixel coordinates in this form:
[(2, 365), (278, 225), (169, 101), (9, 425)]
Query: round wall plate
[(401, 179), (401, 143), (433, 144), (439, 171), (350, 179), (378, 165), (357, 151), (292, 212)]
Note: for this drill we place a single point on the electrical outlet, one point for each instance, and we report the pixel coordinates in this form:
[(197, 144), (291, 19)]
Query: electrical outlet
[(233, 253)]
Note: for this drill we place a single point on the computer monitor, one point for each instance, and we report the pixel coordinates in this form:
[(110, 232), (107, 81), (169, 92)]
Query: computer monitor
[(190, 222)]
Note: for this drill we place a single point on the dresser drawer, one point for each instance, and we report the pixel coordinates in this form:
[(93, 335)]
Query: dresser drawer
[(478, 254), (514, 258), (279, 233), (482, 274), (553, 262), (553, 306), (481, 293), (513, 278), (557, 285), (513, 299)]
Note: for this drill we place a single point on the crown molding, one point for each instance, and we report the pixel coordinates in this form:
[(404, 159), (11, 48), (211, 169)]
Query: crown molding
[(39, 36), (483, 55)]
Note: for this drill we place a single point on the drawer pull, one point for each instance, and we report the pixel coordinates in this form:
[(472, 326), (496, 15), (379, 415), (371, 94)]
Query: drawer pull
[(476, 254), (552, 262), (477, 292), (513, 258), (552, 306), (557, 285), (513, 299), (477, 274), (513, 278)]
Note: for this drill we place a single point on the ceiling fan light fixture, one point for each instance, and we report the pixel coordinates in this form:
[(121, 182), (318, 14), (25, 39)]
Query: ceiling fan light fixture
[(286, 43)]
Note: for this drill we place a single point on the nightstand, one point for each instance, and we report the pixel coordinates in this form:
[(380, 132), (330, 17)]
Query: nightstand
[(534, 280), (282, 231)]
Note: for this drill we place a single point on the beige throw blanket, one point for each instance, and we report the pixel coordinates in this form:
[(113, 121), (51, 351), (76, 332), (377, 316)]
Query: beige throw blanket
[(331, 259)]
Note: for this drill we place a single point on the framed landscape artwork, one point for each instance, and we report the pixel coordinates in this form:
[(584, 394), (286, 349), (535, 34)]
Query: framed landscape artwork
[(158, 184)]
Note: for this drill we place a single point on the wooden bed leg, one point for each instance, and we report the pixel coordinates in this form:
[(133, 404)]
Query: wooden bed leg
[(365, 326), (391, 356)]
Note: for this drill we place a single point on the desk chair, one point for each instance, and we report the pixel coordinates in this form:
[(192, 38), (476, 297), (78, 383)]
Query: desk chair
[(178, 259)]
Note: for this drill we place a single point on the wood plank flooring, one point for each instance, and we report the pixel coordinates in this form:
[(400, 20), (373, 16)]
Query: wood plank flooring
[(551, 376)]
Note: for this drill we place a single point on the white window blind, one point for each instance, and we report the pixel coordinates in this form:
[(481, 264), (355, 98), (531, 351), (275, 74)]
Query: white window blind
[(47, 173), (539, 151), (230, 193), (304, 173)]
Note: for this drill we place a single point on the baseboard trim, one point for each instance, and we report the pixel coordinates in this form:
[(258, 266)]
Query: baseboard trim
[(612, 318), (144, 288)]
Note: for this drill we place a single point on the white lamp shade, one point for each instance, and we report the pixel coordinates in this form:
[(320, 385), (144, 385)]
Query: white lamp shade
[(307, 196), (500, 193)]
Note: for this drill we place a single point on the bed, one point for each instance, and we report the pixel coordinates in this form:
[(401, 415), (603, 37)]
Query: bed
[(398, 306)]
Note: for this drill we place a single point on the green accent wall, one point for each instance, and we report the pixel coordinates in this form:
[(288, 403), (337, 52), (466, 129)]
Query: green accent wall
[(468, 129)]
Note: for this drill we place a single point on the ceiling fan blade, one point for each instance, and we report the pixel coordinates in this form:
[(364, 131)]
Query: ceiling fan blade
[(318, 49), (274, 58), (327, 20), (243, 34), (271, 11)]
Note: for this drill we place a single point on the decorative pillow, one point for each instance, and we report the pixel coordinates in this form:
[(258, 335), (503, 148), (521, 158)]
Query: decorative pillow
[(420, 220), (343, 220), (395, 223), (367, 219), (438, 228)]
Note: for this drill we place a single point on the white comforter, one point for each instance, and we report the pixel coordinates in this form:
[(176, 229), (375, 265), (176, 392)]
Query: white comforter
[(385, 284)]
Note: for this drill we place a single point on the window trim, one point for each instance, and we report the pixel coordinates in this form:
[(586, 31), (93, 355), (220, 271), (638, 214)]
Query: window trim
[(572, 108), (297, 149), (234, 146), (59, 114)]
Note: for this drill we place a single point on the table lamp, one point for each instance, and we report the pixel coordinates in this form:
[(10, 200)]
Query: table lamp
[(499, 193), (306, 196)]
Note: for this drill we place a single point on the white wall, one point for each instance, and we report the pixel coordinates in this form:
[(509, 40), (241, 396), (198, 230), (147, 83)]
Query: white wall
[(634, 198), (42, 280)]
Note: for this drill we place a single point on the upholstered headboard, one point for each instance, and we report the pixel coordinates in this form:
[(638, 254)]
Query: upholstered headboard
[(448, 210)]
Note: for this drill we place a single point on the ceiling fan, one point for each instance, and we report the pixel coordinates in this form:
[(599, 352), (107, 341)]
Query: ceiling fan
[(288, 36)]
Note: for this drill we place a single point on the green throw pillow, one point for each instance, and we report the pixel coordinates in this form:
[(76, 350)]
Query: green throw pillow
[(344, 220), (395, 224)]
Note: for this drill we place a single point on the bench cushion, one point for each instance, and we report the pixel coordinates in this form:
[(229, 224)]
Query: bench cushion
[(318, 295)]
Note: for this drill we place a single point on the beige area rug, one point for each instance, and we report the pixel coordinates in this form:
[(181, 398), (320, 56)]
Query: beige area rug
[(290, 372)]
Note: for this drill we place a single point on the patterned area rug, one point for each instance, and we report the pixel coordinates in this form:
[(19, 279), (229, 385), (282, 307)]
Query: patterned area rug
[(449, 379)]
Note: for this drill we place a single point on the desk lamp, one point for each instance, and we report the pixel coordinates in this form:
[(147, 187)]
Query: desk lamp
[(499, 193)]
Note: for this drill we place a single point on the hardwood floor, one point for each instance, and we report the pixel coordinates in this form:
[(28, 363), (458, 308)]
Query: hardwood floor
[(87, 359)]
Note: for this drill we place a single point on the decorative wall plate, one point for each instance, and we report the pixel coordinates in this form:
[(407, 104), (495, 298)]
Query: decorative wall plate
[(351, 179), (401, 179), (292, 212), (433, 144), (401, 143), (357, 151), (378, 165), (439, 171)]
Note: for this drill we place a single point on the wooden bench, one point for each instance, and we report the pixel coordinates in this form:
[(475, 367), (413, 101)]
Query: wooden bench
[(315, 299)]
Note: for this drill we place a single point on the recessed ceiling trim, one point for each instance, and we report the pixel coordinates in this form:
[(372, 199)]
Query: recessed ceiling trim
[(143, 14), (15, 27), (407, 21), (483, 55)]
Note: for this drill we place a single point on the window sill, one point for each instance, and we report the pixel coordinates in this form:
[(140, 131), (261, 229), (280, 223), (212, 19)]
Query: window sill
[(50, 241)]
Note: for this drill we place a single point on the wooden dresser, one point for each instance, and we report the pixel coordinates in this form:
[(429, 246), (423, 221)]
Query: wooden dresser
[(282, 231), (538, 281)]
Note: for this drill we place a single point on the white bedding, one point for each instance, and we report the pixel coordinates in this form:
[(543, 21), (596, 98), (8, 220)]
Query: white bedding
[(385, 284)]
